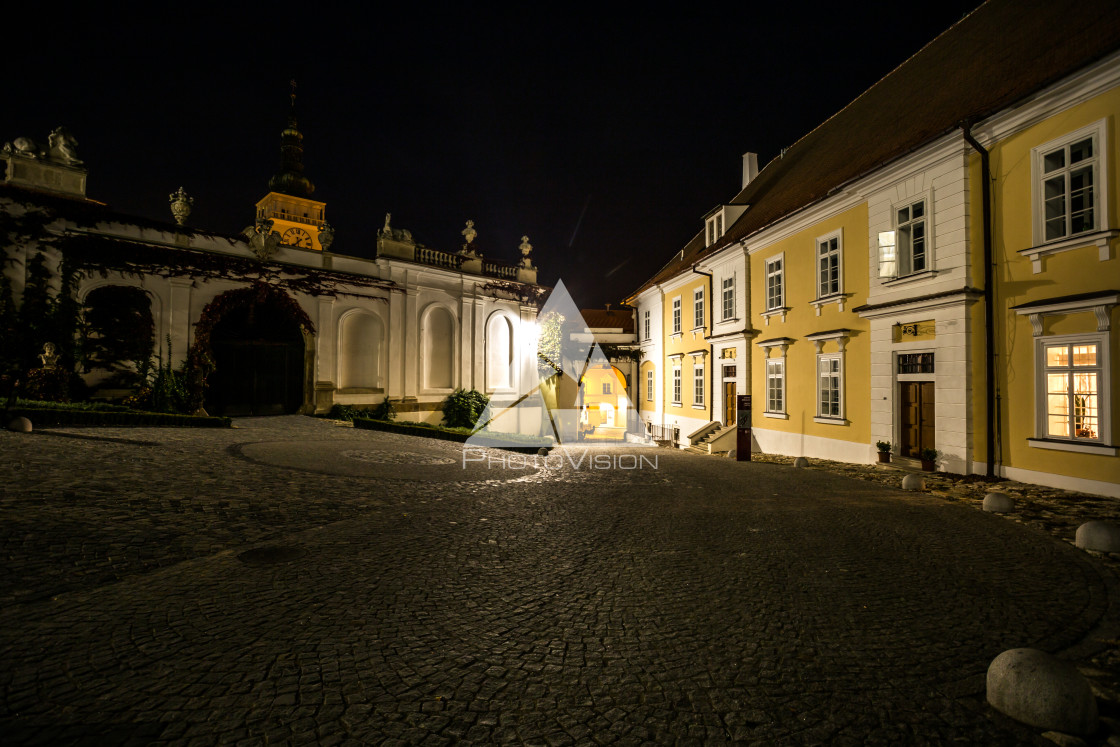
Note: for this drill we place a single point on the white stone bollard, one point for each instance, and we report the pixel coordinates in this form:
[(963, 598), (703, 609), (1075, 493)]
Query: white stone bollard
[(999, 503), (1102, 536), (733, 454), (913, 482), (1043, 691), (800, 462), (19, 425)]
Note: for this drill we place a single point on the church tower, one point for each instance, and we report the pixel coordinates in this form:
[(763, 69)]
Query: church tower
[(295, 216)]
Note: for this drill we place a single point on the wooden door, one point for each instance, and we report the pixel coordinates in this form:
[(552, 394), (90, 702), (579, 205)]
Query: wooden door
[(729, 403), (917, 413)]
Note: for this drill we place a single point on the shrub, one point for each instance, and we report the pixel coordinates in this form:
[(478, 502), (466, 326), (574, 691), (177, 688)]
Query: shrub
[(384, 410), (462, 408), (346, 412), (883, 446), (928, 455)]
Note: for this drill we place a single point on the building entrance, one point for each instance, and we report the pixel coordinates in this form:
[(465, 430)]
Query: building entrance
[(917, 417)]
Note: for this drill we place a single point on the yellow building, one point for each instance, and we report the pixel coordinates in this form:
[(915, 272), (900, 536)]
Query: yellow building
[(934, 266)]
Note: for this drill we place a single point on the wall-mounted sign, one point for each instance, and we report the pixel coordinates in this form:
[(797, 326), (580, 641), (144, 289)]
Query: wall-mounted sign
[(910, 331)]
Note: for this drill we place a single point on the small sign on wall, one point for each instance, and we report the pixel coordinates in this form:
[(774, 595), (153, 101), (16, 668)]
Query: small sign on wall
[(911, 331)]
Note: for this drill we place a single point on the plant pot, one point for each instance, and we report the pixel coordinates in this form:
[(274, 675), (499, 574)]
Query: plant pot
[(884, 457), (929, 465)]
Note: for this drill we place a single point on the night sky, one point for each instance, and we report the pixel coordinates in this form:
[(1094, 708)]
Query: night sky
[(605, 137)]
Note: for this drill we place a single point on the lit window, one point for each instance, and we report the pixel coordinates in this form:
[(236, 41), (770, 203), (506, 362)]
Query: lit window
[(677, 315), (829, 390), (1072, 374), (776, 385), (698, 308), (606, 387), (676, 386), (828, 266), (728, 286), (698, 385), (905, 250), (649, 386), (775, 285)]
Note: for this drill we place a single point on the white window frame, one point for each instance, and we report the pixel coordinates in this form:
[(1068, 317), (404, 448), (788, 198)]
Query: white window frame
[(676, 315), (698, 308), (649, 385), (1101, 444), (779, 274), (1097, 132), (727, 288), (646, 325), (896, 262), (830, 294), (698, 385), (830, 358), (775, 371), (677, 385), (713, 228)]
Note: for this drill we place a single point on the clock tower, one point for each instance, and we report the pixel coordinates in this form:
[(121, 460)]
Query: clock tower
[(295, 216)]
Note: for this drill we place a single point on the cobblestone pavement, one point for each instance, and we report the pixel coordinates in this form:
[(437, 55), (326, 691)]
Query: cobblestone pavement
[(192, 587)]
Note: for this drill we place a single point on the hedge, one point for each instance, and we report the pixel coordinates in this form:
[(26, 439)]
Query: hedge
[(433, 431), (45, 416)]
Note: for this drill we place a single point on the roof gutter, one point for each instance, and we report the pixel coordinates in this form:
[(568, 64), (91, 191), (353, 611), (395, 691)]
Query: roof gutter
[(992, 408)]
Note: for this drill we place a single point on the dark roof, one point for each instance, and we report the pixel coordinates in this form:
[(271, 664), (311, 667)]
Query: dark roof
[(1068, 299), (609, 318), (997, 55)]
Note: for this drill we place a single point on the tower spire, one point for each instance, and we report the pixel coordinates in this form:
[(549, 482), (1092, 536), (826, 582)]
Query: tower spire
[(289, 179)]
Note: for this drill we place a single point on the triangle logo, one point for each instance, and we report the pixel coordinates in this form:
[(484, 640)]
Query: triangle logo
[(575, 396)]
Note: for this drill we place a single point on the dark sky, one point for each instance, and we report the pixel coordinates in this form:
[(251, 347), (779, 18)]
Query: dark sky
[(604, 136)]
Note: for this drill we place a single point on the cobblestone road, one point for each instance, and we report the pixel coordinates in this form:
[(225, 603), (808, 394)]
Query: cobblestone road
[(184, 587)]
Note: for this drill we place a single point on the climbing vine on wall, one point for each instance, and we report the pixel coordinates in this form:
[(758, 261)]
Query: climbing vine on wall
[(200, 357)]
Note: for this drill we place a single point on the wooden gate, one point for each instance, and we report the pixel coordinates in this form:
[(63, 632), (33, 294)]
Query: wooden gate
[(917, 413)]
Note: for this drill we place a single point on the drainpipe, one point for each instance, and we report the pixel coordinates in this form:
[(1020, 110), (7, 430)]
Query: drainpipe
[(709, 302), (989, 298)]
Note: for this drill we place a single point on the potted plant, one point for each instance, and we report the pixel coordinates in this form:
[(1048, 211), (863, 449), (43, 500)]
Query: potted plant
[(884, 448), (929, 459)]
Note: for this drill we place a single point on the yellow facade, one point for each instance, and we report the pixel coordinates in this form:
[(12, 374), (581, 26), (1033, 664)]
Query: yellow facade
[(687, 349), (1075, 270), (801, 405), (642, 400)]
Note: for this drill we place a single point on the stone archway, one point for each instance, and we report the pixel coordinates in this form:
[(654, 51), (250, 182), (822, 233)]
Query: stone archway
[(252, 343)]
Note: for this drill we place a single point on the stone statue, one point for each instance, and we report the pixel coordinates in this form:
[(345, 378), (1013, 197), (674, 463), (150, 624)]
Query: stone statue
[(262, 239), (48, 358), (386, 230), (63, 147), (469, 233), (24, 146), (525, 248), (181, 204), (326, 235)]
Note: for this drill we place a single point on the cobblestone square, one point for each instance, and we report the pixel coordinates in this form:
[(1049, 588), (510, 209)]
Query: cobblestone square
[(294, 581)]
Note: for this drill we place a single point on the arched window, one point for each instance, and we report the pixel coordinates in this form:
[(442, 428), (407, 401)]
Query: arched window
[(499, 353), (439, 349), (361, 340)]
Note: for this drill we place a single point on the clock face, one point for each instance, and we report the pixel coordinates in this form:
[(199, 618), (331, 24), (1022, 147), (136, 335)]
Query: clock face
[(297, 237)]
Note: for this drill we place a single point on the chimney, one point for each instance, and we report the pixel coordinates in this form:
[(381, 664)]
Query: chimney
[(750, 167)]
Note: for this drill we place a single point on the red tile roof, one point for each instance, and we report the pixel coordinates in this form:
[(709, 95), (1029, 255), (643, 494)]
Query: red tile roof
[(997, 55)]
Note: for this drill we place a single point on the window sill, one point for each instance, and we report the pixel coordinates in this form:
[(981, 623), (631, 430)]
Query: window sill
[(1098, 238), (699, 329), (911, 278), (1078, 446), (831, 421), (699, 407), (777, 311), (776, 415), (674, 336), (837, 299)]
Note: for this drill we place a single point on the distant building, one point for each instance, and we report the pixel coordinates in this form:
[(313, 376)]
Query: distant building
[(862, 257), (274, 319)]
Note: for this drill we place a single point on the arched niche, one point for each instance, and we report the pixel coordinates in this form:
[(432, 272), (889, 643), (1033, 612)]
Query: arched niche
[(437, 333), (500, 347), (361, 346)]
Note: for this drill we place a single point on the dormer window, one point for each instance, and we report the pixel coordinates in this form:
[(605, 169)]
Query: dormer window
[(714, 228)]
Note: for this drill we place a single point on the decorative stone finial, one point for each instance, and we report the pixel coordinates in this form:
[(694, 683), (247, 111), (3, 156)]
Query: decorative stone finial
[(181, 204), (385, 229), (469, 233), (263, 240), (326, 235), (526, 247)]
